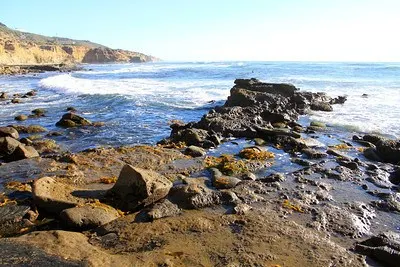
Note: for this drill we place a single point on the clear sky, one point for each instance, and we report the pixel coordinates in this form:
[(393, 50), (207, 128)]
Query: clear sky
[(211, 30)]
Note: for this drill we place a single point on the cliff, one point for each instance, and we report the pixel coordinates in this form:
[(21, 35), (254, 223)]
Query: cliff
[(17, 47)]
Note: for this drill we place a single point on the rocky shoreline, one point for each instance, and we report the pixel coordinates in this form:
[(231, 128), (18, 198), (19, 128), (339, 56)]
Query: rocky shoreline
[(247, 185), (36, 68)]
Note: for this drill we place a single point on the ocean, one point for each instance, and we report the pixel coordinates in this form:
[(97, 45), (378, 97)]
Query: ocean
[(137, 101)]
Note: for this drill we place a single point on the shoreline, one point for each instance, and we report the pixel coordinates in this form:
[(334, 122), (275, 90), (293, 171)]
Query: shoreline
[(214, 193), (20, 69)]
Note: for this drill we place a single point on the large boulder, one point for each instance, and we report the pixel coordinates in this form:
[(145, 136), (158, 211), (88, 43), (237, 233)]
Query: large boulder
[(389, 150), (137, 187), (11, 150)]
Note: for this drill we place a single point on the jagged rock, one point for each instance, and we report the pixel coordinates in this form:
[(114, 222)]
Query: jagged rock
[(163, 209), (89, 216), (389, 202), (72, 120), (380, 178), (9, 131), (195, 151), (384, 248), (374, 139), (55, 196), (395, 177), (138, 187)]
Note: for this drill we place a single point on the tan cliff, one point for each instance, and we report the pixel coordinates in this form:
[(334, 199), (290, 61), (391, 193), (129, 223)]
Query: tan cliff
[(19, 48)]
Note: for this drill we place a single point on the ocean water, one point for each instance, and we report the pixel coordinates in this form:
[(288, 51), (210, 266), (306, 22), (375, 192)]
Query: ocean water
[(136, 101)]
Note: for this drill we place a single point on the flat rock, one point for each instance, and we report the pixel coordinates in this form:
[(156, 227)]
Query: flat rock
[(138, 187), (89, 216), (55, 196), (313, 153)]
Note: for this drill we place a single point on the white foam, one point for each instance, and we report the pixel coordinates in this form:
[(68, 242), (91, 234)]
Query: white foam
[(182, 94)]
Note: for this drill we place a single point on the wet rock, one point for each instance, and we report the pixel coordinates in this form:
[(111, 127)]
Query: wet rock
[(370, 153), (389, 202), (389, 150), (395, 177), (275, 177), (21, 117), (225, 182), (72, 120), (163, 209), (268, 133), (71, 109), (337, 153), (321, 106), (194, 196), (248, 176), (259, 142), (338, 100), (39, 112), (11, 218), (380, 178), (29, 129), (88, 216), (45, 146), (310, 142), (31, 93), (352, 165), (138, 187), (317, 124), (3, 95), (302, 162), (374, 139), (16, 101), (353, 221), (195, 151), (11, 150), (313, 153), (384, 248), (54, 196), (9, 131)]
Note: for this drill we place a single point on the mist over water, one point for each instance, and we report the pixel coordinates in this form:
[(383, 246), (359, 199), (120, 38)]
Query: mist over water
[(136, 101)]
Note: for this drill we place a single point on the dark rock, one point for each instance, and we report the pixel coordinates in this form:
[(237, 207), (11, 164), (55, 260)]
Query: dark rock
[(384, 248), (389, 150), (89, 216), (72, 120), (275, 177), (39, 112), (248, 176), (138, 187), (374, 139), (11, 218), (301, 162), (3, 95), (370, 153), (9, 131), (12, 150), (26, 141), (31, 93), (71, 109), (347, 163), (389, 202), (395, 177), (338, 100)]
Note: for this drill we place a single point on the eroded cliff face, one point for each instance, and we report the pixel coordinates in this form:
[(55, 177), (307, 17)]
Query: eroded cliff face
[(25, 48)]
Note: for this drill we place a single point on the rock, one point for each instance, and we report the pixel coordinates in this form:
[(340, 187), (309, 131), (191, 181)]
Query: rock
[(389, 202), (21, 117), (370, 153), (31, 93), (275, 177), (12, 150), (3, 95), (314, 154), (389, 150), (71, 109), (259, 142), (225, 182), (9, 131), (163, 209), (72, 120), (384, 248), (194, 196), (309, 142), (380, 178), (321, 106), (29, 129), (89, 216), (11, 218), (138, 187), (195, 151), (302, 162), (267, 133), (395, 177), (318, 124), (374, 139), (248, 176), (54, 196), (16, 101), (39, 112), (241, 209), (338, 154), (352, 165), (338, 100), (190, 136)]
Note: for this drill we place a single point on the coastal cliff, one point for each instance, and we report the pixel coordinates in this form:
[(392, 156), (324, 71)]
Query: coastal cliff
[(19, 48)]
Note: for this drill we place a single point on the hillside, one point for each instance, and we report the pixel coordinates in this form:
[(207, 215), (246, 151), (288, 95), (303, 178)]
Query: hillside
[(18, 48)]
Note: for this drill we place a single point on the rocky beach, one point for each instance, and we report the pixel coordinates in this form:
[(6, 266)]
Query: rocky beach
[(250, 183)]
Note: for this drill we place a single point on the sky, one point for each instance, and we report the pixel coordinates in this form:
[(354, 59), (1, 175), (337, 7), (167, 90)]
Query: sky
[(216, 30)]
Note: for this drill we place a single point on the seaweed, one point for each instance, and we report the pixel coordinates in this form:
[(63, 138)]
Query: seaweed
[(254, 153), (227, 164)]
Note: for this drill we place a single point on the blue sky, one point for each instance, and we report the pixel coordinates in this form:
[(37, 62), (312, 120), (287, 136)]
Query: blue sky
[(179, 30)]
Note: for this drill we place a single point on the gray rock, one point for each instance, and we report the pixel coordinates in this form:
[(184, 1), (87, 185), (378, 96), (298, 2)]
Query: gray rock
[(88, 216), (275, 177), (138, 187), (195, 151), (194, 196), (380, 178), (370, 153), (163, 209), (259, 142), (9, 131), (384, 248), (313, 154)]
